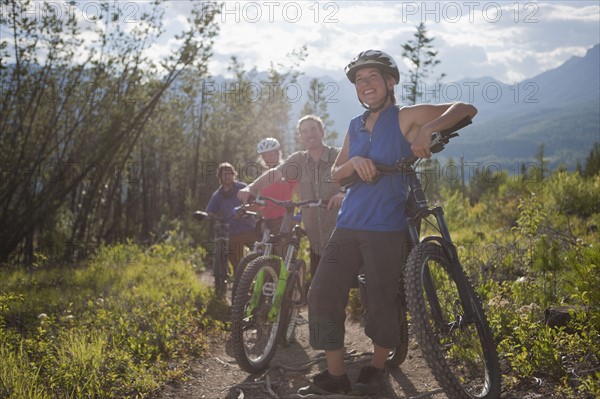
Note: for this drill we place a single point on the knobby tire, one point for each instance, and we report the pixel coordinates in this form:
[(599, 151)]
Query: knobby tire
[(459, 350), (254, 339), (220, 267), (239, 271)]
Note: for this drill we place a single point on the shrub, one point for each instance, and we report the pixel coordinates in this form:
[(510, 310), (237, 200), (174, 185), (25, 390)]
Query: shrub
[(573, 194), (116, 327)]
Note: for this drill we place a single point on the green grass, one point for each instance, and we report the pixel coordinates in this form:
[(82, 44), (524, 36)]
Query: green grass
[(123, 323), (118, 326), (527, 247)]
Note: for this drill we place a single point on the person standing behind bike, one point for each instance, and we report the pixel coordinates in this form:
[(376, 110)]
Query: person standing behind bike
[(242, 231), (269, 151), (311, 169), (371, 232)]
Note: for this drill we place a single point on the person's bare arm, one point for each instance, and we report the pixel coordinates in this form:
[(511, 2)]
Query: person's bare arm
[(344, 167), (265, 180), (419, 122)]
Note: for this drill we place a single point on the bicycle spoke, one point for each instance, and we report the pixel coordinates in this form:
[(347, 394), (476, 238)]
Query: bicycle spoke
[(454, 333), (254, 333)]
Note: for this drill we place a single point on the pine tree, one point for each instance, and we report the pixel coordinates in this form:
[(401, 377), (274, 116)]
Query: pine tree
[(592, 162), (422, 58)]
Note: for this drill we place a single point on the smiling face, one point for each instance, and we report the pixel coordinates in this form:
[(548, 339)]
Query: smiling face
[(271, 158), (371, 86), (311, 134)]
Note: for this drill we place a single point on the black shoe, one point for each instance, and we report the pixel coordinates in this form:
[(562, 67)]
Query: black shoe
[(324, 383), (370, 381)]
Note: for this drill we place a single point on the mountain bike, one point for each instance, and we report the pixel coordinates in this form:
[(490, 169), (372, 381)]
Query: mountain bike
[(447, 315), (220, 262), (270, 294), (262, 247)]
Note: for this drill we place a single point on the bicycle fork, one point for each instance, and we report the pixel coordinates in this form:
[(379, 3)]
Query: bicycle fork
[(450, 252), (260, 288)]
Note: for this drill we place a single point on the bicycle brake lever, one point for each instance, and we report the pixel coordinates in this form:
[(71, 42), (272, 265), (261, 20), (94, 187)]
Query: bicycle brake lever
[(200, 215)]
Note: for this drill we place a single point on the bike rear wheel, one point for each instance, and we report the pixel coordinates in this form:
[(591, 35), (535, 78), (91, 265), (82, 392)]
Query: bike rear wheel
[(450, 325), (292, 301), (253, 333)]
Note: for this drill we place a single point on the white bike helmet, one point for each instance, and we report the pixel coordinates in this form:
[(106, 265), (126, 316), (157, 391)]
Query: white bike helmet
[(268, 144)]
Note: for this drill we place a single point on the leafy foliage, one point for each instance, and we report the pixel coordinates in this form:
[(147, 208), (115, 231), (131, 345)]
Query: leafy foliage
[(592, 162), (531, 246), (73, 112), (116, 327)]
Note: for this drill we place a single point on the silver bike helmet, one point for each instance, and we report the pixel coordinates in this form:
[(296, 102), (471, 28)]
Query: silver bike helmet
[(268, 144), (374, 59)]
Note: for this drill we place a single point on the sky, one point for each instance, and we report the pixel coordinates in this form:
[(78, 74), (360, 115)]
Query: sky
[(507, 40)]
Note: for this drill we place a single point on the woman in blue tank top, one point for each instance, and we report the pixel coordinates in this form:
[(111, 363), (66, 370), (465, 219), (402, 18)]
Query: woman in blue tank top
[(371, 225)]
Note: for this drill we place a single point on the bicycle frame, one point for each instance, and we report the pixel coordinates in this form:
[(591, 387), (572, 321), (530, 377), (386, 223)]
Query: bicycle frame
[(290, 236), (221, 235), (220, 228), (421, 212), (264, 246)]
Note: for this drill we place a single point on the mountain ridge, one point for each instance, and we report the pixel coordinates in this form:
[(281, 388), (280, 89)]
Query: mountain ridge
[(558, 108)]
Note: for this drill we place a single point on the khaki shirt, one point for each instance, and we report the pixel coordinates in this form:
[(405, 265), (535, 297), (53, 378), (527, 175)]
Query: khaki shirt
[(314, 182)]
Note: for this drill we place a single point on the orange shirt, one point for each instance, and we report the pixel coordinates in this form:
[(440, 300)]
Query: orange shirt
[(281, 190)]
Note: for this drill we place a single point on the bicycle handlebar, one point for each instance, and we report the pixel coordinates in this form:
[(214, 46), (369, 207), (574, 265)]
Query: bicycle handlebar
[(238, 212), (438, 143), (312, 203)]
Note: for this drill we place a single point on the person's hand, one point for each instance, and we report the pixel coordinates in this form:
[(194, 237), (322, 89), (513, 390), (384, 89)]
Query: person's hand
[(364, 167), (244, 194), (336, 200), (420, 147)]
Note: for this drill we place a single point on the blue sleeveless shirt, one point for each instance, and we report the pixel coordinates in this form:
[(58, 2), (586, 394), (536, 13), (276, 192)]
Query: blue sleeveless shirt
[(378, 206)]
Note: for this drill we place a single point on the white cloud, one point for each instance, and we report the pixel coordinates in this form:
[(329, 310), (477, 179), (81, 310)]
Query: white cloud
[(506, 40), (555, 12)]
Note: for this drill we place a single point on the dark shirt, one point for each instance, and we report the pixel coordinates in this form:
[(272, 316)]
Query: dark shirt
[(222, 203)]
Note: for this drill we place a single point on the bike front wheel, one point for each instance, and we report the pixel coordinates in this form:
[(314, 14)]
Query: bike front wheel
[(220, 268), (451, 326), (254, 332), (239, 271)]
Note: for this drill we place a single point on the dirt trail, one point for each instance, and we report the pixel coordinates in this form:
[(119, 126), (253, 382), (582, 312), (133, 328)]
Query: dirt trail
[(217, 375)]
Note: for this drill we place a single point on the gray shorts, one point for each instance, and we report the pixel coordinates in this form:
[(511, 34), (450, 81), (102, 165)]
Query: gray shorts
[(381, 257)]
